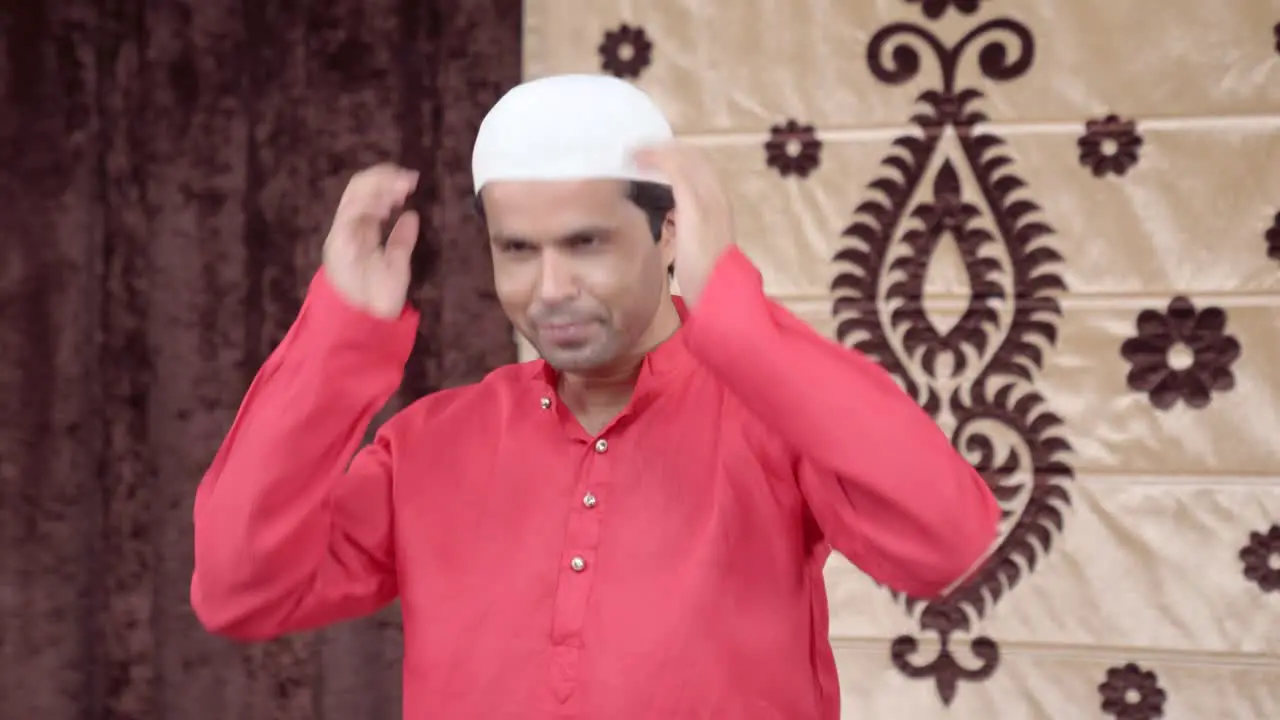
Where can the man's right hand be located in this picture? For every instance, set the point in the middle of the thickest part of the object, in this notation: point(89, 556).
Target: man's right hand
point(366, 272)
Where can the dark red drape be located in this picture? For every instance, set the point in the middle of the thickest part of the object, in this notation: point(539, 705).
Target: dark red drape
point(167, 174)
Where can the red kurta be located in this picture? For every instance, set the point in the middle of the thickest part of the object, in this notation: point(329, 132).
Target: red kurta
point(669, 567)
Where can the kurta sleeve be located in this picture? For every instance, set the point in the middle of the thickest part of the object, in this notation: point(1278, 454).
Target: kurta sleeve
point(882, 480)
point(291, 533)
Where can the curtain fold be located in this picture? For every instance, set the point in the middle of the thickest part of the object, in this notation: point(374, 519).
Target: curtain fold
point(167, 174)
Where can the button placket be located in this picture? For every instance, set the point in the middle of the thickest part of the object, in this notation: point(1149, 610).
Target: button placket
point(578, 569)
point(578, 563)
point(581, 540)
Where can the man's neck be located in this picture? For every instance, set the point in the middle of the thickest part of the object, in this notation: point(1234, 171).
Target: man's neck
point(596, 397)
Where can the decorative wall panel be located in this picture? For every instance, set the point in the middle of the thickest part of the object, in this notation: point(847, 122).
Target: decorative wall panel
point(1058, 226)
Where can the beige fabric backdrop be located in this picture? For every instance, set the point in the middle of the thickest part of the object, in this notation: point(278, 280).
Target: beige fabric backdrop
point(1057, 223)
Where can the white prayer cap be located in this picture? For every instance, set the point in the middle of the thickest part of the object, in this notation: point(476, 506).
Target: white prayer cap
point(567, 127)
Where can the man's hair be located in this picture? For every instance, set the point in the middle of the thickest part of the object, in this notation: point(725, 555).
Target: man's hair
point(654, 199)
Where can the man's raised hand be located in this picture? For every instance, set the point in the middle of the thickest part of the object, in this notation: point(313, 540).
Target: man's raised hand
point(365, 271)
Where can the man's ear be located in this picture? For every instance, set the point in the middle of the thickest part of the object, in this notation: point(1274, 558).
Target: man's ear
point(667, 243)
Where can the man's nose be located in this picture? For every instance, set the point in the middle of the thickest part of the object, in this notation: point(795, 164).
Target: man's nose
point(557, 282)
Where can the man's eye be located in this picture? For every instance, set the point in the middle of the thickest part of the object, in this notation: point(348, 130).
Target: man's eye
point(515, 247)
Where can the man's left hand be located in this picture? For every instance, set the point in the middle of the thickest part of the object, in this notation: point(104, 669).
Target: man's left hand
point(704, 219)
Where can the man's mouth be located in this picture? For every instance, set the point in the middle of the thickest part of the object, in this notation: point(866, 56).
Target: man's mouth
point(564, 333)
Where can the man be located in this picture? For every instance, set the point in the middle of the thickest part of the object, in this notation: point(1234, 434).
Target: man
point(632, 527)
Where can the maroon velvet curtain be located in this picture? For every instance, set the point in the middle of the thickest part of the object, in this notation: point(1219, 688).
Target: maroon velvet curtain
point(167, 173)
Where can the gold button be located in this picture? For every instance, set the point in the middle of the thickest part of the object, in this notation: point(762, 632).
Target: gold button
point(602, 445)
point(546, 403)
point(589, 500)
point(578, 564)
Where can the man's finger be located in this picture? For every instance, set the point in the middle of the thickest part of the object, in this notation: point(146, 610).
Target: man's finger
point(404, 235)
point(704, 178)
point(668, 159)
point(663, 158)
point(373, 194)
point(372, 183)
point(693, 181)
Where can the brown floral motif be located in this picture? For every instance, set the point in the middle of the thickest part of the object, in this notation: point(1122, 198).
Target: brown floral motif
point(978, 373)
point(1261, 558)
point(626, 51)
point(1273, 238)
point(1181, 354)
point(1110, 145)
point(1131, 693)
point(793, 149)
point(934, 9)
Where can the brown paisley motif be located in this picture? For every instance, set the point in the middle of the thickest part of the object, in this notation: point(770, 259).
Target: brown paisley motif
point(986, 395)
point(934, 9)
point(947, 213)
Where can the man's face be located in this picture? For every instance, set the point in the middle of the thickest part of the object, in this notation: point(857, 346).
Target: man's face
point(576, 267)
